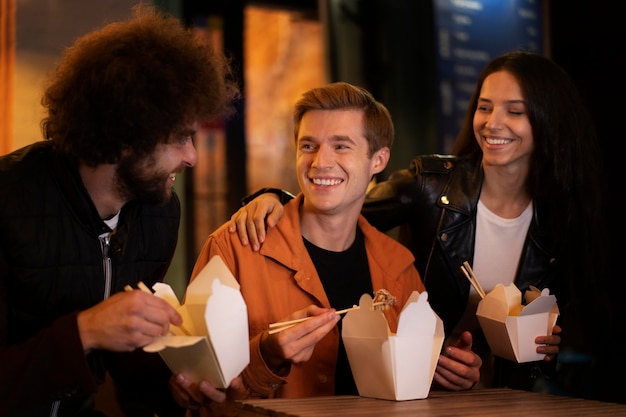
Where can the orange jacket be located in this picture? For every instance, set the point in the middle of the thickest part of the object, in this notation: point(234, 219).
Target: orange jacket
point(281, 278)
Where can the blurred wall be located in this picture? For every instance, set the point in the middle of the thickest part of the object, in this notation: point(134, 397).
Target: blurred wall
point(43, 29)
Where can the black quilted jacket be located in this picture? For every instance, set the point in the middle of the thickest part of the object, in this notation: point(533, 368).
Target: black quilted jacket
point(51, 267)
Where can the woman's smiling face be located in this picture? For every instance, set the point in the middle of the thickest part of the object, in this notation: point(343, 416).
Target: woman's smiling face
point(501, 124)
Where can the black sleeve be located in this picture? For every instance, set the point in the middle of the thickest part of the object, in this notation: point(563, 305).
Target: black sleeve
point(285, 196)
point(391, 203)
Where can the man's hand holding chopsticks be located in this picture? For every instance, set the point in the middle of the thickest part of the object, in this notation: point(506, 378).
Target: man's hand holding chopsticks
point(296, 343)
point(126, 321)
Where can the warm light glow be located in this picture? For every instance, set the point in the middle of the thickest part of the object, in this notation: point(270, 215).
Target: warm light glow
point(7, 69)
point(284, 56)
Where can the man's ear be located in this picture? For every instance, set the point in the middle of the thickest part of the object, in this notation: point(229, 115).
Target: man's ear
point(380, 160)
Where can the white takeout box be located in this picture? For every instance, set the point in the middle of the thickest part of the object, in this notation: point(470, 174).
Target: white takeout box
point(511, 328)
point(391, 366)
point(212, 343)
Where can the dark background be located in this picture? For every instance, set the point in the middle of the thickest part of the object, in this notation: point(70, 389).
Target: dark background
point(589, 42)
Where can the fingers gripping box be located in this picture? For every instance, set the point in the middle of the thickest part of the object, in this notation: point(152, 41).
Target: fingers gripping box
point(510, 327)
point(212, 343)
point(391, 366)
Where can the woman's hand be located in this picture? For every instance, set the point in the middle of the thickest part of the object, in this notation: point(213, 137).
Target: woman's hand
point(549, 345)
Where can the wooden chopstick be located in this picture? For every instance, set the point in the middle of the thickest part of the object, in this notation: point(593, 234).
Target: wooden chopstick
point(143, 287)
point(467, 270)
point(284, 325)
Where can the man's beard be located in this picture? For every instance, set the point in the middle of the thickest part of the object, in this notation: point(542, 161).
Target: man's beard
point(138, 180)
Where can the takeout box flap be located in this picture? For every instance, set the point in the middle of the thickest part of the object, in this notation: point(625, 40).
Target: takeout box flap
point(544, 303)
point(512, 336)
point(365, 321)
point(393, 366)
point(418, 340)
point(215, 312)
point(226, 318)
point(494, 308)
point(166, 292)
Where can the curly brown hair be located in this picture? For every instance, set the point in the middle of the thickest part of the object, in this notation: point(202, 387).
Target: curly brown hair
point(132, 85)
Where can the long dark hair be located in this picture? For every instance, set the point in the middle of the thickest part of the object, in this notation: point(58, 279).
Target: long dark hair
point(565, 179)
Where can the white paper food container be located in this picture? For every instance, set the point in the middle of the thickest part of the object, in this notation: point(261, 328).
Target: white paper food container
point(391, 366)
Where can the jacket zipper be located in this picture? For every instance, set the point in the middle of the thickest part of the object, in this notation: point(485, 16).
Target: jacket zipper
point(106, 264)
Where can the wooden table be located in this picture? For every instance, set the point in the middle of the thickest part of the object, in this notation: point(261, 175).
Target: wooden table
point(483, 402)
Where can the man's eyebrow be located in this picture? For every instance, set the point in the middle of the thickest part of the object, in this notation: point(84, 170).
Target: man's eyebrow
point(334, 138)
point(343, 138)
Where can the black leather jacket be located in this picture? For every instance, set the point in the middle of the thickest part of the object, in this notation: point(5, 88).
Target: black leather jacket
point(52, 265)
point(435, 202)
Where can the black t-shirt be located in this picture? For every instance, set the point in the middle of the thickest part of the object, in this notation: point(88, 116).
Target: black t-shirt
point(345, 277)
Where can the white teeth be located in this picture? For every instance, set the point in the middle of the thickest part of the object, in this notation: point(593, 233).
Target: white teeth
point(173, 176)
point(493, 141)
point(318, 181)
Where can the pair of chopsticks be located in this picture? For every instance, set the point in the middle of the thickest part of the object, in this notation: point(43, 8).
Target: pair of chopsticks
point(144, 288)
point(467, 270)
point(284, 325)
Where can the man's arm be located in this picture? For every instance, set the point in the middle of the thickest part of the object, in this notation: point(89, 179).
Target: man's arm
point(387, 205)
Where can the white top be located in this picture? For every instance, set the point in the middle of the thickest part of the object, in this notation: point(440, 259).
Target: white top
point(498, 246)
point(497, 249)
point(112, 223)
